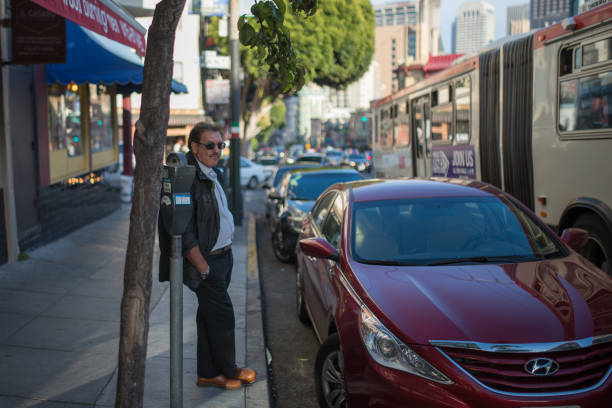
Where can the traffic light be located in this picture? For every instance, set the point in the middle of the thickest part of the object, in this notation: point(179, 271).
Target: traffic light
point(364, 119)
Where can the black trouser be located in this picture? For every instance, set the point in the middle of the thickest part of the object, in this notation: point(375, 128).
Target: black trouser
point(215, 320)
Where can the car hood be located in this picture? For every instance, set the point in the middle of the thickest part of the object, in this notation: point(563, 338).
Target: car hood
point(532, 302)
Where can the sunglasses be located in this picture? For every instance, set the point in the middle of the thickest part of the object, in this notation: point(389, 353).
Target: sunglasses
point(211, 145)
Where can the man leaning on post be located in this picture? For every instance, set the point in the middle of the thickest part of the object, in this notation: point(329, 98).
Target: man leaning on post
point(208, 261)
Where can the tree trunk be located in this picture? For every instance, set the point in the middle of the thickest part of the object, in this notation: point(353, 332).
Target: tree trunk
point(149, 141)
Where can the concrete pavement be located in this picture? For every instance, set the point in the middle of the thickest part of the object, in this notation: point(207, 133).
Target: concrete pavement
point(60, 317)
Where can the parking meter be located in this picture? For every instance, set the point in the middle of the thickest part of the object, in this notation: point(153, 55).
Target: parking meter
point(175, 205)
point(176, 212)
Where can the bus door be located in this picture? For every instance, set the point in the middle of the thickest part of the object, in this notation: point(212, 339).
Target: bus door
point(421, 137)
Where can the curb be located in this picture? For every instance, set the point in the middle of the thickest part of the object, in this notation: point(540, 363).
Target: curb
point(256, 395)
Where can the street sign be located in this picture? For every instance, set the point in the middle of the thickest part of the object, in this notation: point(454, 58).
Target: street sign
point(210, 60)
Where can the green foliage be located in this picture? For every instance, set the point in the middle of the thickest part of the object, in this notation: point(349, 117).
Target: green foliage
point(337, 43)
point(277, 115)
point(267, 34)
point(334, 46)
point(273, 120)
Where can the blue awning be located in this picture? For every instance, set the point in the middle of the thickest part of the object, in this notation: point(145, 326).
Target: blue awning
point(96, 59)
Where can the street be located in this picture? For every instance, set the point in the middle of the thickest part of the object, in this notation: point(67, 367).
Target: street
point(292, 346)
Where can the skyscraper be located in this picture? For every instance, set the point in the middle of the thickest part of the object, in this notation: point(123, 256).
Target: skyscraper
point(517, 19)
point(475, 26)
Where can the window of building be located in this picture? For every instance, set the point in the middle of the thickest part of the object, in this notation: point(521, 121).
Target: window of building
point(66, 146)
point(101, 131)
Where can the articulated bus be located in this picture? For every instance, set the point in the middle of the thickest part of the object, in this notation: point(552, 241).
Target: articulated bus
point(532, 116)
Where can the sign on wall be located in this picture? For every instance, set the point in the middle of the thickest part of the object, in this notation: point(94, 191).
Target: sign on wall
point(217, 91)
point(39, 36)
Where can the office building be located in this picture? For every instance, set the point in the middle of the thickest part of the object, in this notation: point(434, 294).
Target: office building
point(475, 26)
point(546, 12)
point(517, 19)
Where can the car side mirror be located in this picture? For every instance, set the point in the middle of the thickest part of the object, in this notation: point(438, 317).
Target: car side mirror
point(575, 238)
point(319, 248)
point(274, 195)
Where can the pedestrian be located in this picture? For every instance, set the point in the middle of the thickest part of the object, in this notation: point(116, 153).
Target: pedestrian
point(208, 261)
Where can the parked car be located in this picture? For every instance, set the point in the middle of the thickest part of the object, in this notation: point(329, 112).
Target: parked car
point(450, 293)
point(273, 182)
point(333, 157)
point(312, 157)
point(357, 161)
point(269, 163)
point(295, 196)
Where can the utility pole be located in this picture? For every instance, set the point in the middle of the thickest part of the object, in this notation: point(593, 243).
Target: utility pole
point(236, 196)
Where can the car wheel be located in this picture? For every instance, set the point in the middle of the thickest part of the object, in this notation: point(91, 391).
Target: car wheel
point(598, 248)
point(299, 296)
point(329, 374)
point(279, 252)
point(253, 183)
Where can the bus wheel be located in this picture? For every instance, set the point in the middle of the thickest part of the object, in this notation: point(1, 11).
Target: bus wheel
point(598, 249)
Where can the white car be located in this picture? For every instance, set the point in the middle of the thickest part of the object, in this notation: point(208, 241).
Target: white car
point(251, 174)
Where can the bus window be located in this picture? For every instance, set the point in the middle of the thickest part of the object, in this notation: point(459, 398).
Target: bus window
point(586, 103)
point(441, 122)
point(598, 51)
point(462, 110)
point(403, 133)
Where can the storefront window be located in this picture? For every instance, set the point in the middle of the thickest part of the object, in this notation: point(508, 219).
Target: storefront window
point(101, 130)
point(65, 119)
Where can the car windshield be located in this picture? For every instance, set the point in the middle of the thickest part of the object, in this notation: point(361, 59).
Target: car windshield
point(281, 171)
point(308, 186)
point(430, 231)
point(357, 157)
point(334, 153)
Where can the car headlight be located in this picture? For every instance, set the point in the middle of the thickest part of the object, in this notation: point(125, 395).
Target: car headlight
point(389, 351)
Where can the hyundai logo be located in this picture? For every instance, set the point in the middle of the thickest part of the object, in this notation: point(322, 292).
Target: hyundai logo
point(541, 366)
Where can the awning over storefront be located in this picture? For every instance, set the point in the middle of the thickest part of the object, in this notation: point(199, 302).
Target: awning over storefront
point(93, 58)
point(104, 17)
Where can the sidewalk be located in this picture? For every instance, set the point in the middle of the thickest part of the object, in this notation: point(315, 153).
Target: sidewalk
point(60, 319)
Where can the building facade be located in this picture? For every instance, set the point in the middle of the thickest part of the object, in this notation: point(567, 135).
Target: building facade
point(517, 19)
point(475, 26)
point(406, 32)
point(59, 146)
point(546, 12)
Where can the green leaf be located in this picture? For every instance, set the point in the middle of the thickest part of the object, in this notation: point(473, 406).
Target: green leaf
point(282, 8)
point(247, 34)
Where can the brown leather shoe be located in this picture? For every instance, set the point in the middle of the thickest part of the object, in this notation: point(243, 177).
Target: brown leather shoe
point(246, 375)
point(220, 381)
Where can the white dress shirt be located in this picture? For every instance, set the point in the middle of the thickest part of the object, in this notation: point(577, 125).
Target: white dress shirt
point(226, 220)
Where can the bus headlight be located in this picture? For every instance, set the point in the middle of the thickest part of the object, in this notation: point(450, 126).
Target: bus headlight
point(389, 351)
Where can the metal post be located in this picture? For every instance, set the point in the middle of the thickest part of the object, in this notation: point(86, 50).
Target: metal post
point(236, 197)
point(176, 323)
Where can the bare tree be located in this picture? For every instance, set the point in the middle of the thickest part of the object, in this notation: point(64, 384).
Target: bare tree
point(151, 129)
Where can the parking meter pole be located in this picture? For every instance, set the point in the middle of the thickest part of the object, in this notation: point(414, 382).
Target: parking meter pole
point(176, 323)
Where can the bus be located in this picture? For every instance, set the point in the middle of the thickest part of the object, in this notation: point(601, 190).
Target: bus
point(531, 115)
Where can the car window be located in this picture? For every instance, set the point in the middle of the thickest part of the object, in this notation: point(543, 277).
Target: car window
point(321, 209)
point(308, 186)
point(244, 163)
point(333, 224)
point(433, 229)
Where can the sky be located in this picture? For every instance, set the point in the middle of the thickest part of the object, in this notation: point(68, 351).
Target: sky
point(448, 12)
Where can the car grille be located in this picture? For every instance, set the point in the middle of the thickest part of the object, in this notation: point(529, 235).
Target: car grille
point(579, 369)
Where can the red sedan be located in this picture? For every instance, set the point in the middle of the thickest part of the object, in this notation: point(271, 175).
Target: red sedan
point(450, 293)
